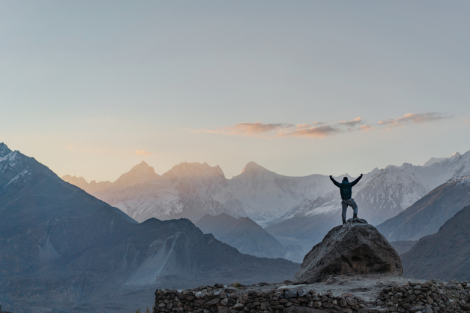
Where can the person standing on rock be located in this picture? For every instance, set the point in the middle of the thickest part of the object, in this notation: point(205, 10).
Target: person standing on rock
point(345, 189)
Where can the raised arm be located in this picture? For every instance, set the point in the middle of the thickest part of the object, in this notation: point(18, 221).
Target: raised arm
point(335, 182)
point(356, 181)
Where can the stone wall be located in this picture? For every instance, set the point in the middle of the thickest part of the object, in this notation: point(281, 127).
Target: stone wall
point(428, 297)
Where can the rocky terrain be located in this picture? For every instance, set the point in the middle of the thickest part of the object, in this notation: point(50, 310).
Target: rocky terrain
point(361, 294)
point(353, 248)
point(243, 234)
point(354, 269)
point(444, 255)
point(428, 214)
point(62, 249)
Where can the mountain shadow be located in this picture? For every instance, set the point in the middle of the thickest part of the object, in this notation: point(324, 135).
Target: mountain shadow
point(443, 255)
point(243, 234)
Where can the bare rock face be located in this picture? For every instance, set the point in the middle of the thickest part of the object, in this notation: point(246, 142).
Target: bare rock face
point(353, 248)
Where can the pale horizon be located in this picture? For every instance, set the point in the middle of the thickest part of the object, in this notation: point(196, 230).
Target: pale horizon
point(230, 177)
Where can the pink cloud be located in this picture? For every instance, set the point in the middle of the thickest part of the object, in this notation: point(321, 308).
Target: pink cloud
point(303, 126)
point(413, 118)
point(351, 123)
point(142, 152)
point(248, 129)
point(366, 128)
point(312, 132)
point(270, 130)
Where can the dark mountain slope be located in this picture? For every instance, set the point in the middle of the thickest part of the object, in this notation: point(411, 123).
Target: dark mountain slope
point(64, 250)
point(243, 234)
point(444, 255)
point(429, 213)
point(401, 247)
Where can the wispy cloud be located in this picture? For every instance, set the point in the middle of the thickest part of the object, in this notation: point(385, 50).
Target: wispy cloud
point(312, 132)
point(413, 118)
point(319, 129)
point(366, 128)
point(249, 129)
point(351, 123)
point(142, 152)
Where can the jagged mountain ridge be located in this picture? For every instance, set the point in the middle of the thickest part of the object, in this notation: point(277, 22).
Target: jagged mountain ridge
point(428, 214)
point(243, 234)
point(192, 190)
point(436, 160)
point(384, 193)
point(63, 249)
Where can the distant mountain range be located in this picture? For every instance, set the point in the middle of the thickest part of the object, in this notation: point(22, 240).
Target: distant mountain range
point(443, 255)
point(243, 234)
point(298, 211)
point(62, 249)
point(192, 190)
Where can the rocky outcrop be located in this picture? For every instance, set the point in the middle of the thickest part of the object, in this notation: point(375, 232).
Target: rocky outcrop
point(353, 248)
point(413, 296)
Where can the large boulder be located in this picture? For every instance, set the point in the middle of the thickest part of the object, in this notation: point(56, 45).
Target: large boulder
point(353, 248)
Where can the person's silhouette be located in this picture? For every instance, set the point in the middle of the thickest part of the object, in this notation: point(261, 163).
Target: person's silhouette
point(345, 189)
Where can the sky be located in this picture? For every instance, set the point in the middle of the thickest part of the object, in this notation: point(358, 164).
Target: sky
point(91, 88)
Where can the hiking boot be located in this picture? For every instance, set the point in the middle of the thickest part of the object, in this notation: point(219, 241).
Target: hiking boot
point(344, 222)
point(355, 216)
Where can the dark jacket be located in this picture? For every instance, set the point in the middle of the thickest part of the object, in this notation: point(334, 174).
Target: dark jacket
point(345, 187)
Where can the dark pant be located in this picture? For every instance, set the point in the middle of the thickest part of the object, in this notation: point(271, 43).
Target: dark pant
point(350, 203)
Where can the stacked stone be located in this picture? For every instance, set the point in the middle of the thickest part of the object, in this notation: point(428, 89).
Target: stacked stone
point(212, 299)
point(428, 297)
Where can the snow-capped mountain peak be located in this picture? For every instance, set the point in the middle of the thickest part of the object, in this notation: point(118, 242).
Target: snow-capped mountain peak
point(432, 161)
point(140, 173)
point(252, 168)
point(14, 167)
point(187, 170)
point(4, 150)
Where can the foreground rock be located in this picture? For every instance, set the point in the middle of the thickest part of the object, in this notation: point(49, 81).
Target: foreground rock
point(353, 248)
point(357, 294)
